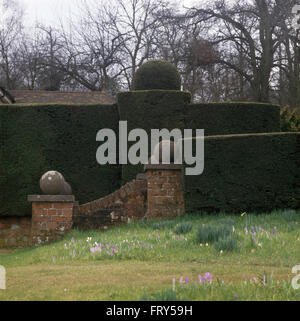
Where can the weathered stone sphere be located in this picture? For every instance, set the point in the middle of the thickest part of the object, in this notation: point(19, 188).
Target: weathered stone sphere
point(52, 183)
point(67, 190)
point(164, 145)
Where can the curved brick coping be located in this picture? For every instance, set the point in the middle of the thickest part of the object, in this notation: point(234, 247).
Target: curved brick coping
point(51, 198)
point(163, 166)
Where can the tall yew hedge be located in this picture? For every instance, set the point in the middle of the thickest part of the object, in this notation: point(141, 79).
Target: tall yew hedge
point(38, 138)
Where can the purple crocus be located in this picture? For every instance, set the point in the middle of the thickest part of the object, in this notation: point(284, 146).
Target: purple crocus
point(95, 250)
point(201, 278)
point(208, 276)
point(187, 280)
point(236, 296)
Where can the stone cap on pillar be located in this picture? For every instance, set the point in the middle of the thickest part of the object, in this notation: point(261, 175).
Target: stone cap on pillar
point(51, 198)
point(163, 167)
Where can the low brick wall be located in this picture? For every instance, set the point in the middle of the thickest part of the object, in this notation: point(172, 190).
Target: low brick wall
point(51, 217)
point(158, 193)
point(127, 203)
point(165, 191)
point(15, 231)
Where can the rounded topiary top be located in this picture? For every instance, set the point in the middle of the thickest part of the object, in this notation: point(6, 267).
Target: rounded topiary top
point(157, 74)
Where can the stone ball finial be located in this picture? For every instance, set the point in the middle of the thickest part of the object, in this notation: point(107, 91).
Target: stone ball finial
point(52, 183)
point(67, 190)
point(161, 151)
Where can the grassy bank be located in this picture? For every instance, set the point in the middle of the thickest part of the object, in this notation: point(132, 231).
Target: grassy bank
point(247, 257)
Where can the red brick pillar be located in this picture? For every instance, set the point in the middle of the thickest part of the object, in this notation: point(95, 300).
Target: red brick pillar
point(164, 190)
point(51, 217)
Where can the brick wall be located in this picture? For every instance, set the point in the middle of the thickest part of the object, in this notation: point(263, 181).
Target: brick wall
point(157, 193)
point(51, 217)
point(165, 191)
point(15, 231)
point(125, 204)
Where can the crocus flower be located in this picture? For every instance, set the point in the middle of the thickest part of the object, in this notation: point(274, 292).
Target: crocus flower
point(208, 276)
point(254, 279)
point(187, 280)
point(201, 278)
point(236, 296)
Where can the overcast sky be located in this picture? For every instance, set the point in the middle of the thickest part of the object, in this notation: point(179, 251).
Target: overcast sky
point(49, 12)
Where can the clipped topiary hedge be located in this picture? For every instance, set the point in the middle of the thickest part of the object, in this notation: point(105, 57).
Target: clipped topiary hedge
point(38, 138)
point(157, 74)
point(151, 109)
point(233, 118)
point(254, 172)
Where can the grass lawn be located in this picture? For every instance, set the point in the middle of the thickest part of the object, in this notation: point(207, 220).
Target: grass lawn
point(247, 257)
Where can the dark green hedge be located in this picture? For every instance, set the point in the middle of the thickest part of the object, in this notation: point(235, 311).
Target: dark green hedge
point(151, 109)
point(157, 74)
point(172, 109)
point(233, 118)
point(38, 138)
point(254, 172)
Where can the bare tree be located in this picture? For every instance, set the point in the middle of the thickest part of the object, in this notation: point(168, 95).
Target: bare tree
point(11, 30)
point(136, 23)
point(254, 28)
